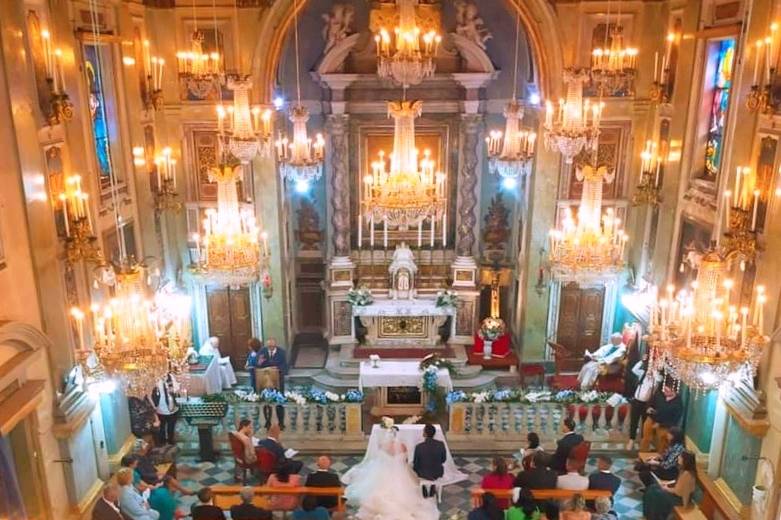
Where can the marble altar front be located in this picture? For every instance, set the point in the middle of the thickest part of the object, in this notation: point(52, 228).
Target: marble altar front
point(394, 323)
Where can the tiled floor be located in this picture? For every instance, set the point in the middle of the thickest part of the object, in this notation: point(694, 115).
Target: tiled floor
point(455, 498)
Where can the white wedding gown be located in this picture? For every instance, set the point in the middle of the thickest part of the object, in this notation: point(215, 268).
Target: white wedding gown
point(385, 487)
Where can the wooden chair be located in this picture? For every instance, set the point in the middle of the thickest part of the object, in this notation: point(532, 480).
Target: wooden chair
point(540, 494)
point(237, 447)
point(266, 463)
point(580, 454)
point(564, 360)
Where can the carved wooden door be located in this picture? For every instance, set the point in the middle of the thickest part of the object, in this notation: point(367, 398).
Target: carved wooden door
point(580, 322)
point(230, 319)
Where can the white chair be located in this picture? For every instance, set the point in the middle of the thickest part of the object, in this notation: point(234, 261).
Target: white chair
point(428, 484)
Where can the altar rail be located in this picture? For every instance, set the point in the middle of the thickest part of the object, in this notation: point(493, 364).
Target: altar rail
point(504, 426)
point(334, 426)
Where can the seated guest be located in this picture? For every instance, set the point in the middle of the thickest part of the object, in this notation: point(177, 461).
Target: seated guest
point(205, 509)
point(489, 510)
point(605, 358)
point(538, 477)
point(282, 479)
point(148, 472)
point(532, 447)
point(498, 478)
point(247, 510)
point(564, 445)
point(576, 511)
point(309, 510)
point(524, 507)
point(664, 412)
point(602, 507)
point(573, 480)
point(131, 503)
point(324, 477)
point(244, 434)
point(106, 507)
point(163, 500)
point(253, 347)
point(212, 348)
point(272, 444)
point(659, 500)
point(603, 478)
point(665, 466)
point(131, 462)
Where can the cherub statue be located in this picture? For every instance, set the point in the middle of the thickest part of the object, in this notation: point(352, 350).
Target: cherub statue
point(469, 24)
point(338, 25)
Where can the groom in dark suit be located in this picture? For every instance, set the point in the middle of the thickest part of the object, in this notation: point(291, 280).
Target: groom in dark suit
point(429, 459)
point(273, 356)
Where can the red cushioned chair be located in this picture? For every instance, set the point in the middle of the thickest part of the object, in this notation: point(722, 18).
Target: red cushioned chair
point(580, 454)
point(237, 447)
point(266, 463)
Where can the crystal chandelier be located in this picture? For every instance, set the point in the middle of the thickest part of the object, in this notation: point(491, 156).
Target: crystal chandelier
point(198, 65)
point(614, 66)
point(593, 243)
point(411, 190)
point(703, 338)
point(248, 130)
point(648, 192)
point(301, 159)
point(230, 252)
point(406, 57)
point(511, 152)
point(574, 124)
point(80, 239)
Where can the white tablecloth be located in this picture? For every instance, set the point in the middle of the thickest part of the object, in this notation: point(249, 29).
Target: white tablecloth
point(403, 308)
point(205, 382)
point(411, 435)
point(397, 373)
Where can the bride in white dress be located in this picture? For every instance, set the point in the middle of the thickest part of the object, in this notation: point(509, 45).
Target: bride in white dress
point(384, 485)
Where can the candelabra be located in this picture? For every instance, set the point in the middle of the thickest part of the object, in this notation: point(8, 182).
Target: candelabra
point(200, 71)
point(248, 132)
point(761, 98)
point(153, 85)
point(574, 124)
point(80, 240)
point(648, 192)
point(165, 194)
point(660, 88)
point(60, 106)
point(407, 56)
point(614, 67)
point(742, 207)
point(411, 191)
point(700, 336)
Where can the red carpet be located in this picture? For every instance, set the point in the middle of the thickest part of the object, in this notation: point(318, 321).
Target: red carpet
point(508, 361)
point(402, 352)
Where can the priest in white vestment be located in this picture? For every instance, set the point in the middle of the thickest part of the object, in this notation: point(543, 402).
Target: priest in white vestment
point(212, 348)
point(602, 358)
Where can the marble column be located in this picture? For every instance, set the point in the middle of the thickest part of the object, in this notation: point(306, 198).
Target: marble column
point(337, 128)
point(468, 176)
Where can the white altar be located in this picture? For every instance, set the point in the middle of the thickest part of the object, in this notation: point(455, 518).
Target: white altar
point(398, 386)
point(413, 322)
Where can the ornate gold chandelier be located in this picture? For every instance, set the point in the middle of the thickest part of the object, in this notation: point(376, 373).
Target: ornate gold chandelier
point(232, 250)
point(593, 244)
point(407, 56)
point(300, 158)
point(196, 64)
point(574, 124)
point(648, 192)
point(614, 66)
point(703, 338)
point(411, 191)
point(80, 239)
point(248, 129)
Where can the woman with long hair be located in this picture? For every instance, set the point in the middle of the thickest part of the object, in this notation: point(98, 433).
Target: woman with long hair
point(660, 499)
point(498, 478)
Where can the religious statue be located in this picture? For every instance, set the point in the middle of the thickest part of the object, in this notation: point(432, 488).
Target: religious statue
point(497, 229)
point(402, 271)
point(469, 23)
point(309, 232)
point(338, 25)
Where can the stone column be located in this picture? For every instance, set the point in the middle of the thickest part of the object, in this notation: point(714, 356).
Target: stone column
point(337, 131)
point(467, 184)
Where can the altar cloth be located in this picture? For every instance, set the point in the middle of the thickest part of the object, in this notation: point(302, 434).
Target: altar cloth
point(203, 381)
point(398, 373)
point(403, 308)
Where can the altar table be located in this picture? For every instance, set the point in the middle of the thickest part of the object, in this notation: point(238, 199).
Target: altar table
point(402, 322)
point(410, 435)
point(203, 381)
point(397, 373)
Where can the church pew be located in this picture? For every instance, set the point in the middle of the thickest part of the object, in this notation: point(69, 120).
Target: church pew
point(689, 513)
point(226, 496)
point(540, 494)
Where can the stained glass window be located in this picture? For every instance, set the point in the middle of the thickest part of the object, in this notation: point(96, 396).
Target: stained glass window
point(102, 105)
point(718, 87)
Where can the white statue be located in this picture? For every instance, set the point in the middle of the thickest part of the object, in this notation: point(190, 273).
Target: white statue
point(469, 24)
point(338, 25)
point(402, 271)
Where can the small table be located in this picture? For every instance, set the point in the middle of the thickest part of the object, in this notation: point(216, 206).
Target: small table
point(400, 379)
point(203, 378)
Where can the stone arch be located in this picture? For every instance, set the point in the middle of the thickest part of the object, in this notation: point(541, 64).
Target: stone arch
point(26, 340)
point(537, 18)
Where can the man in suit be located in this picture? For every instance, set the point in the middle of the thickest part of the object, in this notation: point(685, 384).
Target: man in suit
point(603, 478)
point(429, 459)
point(564, 446)
point(204, 509)
point(247, 510)
point(538, 477)
point(324, 477)
point(274, 446)
point(273, 356)
point(106, 507)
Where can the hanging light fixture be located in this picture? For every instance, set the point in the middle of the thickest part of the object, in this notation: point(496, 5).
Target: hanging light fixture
point(573, 125)
point(510, 153)
point(411, 191)
point(193, 63)
point(300, 159)
point(232, 250)
point(592, 243)
point(248, 129)
point(614, 65)
point(703, 338)
point(648, 192)
point(407, 56)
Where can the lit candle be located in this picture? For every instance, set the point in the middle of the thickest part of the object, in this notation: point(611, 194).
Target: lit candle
point(737, 185)
point(444, 230)
point(360, 231)
point(371, 232)
point(420, 233)
point(656, 66)
point(754, 214)
point(757, 50)
point(385, 233)
point(433, 227)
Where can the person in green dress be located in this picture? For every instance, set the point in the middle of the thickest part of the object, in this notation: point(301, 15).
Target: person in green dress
point(523, 507)
point(163, 500)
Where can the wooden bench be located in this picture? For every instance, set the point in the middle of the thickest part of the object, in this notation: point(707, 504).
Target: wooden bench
point(691, 512)
point(540, 494)
point(227, 496)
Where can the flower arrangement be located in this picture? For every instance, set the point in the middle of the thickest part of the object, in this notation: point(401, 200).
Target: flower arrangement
point(266, 285)
point(492, 328)
point(272, 395)
point(430, 366)
point(437, 361)
point(387, 423)
point(353, 396)
point(447, 298)
point(514, 395)
point(300, 397)
point(360, 297)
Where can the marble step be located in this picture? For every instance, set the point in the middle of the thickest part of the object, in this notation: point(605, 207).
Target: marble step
point(327, 381)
